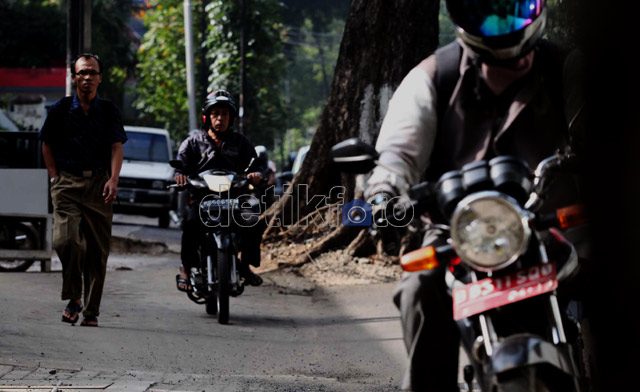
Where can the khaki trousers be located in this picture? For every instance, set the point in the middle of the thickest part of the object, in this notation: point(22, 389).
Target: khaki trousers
point(82, 237)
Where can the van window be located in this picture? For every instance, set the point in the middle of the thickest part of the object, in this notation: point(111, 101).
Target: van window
point(146, 147)
point(20, 150)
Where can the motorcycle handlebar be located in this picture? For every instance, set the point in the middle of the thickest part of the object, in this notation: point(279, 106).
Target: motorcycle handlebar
point(544, 176)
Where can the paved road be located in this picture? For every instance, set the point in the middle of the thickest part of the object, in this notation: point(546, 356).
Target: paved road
point(152, 338)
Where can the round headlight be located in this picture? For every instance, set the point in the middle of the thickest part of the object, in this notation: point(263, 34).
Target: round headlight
point(217, 183)
point(489, 230)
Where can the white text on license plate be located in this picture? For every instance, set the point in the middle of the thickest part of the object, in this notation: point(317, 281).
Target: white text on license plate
point(490, 293)
point(222, 203)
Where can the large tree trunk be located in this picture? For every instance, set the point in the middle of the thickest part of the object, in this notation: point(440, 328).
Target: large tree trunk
point(382, 42)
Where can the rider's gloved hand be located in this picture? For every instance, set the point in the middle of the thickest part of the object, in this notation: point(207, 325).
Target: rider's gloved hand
point(180, 179)
point(254, 177)
point(381, 206)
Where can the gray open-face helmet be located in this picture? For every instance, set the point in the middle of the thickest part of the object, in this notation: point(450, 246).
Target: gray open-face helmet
point(498, 30)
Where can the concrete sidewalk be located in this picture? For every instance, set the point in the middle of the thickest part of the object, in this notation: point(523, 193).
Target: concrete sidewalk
point(25, 375)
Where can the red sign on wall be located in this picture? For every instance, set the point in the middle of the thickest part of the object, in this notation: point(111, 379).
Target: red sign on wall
point(33, 77)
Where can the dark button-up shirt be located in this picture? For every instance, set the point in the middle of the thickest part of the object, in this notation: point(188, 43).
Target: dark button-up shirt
point(82, 141)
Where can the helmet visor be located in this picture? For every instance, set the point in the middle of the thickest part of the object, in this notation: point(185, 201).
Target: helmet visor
point(491, 18)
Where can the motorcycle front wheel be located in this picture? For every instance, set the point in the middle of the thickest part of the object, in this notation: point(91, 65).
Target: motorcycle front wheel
point(530, 379)
point(211, 305)
point(224, 285)
point(22, 237)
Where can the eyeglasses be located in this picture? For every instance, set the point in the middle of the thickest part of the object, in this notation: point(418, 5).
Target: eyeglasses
point(85, 72)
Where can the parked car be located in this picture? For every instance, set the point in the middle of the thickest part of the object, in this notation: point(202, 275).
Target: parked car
point(297, 163)
point(284, 178)
point(145, 175)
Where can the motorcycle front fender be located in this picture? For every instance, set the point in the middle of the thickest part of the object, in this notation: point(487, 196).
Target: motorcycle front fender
point(527, 350)
point(223, 240)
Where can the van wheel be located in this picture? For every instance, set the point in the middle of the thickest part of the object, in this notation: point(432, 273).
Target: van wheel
point(164, 219)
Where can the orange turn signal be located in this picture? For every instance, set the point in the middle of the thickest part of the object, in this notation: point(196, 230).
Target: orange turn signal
point(572, 216)
point(419, 260)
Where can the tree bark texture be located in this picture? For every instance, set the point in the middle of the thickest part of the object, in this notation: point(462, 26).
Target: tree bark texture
point(382, 42)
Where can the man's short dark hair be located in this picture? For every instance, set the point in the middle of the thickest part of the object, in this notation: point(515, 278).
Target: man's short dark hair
point(85, 56)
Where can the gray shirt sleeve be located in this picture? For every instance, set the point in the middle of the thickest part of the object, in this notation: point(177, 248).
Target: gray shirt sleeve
point(407, 134)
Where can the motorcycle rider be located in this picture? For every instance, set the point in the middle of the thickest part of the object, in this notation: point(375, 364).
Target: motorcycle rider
point(497, 90)
point(217, 147)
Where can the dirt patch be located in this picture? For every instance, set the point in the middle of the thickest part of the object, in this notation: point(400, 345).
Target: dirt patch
point(332, 268)
point(121, 245)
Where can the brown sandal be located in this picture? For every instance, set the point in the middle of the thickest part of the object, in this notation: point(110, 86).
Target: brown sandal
point(89, 321)
point(74, 309)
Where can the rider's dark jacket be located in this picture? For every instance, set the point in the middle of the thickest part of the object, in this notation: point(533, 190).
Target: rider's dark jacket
point(199, 153)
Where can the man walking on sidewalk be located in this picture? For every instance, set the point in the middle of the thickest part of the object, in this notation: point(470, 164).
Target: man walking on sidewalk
point(82, 139)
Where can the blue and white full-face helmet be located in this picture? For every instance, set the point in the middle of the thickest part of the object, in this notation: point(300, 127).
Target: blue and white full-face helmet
point(498, 30)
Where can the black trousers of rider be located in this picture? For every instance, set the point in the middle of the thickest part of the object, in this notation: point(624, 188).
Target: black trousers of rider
point(193, 230)
point(430, 334)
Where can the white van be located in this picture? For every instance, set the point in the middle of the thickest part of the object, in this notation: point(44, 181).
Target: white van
point(297, 163)
point(145, 174)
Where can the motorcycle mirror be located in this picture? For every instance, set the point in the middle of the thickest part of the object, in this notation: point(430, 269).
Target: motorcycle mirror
point(354, 156)
point(249, 165)
point(176, 164)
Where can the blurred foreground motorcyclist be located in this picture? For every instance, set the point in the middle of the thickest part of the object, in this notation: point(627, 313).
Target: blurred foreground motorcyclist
point(498, 90)
point(217, 147)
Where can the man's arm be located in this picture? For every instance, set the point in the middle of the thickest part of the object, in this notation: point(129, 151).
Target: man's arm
point(111, 187)
point(49, 160)
point(407, 135)
point(184, 154)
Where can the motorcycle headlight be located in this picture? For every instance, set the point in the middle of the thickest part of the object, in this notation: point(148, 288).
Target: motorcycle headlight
point(218, 183)
point(489, 230)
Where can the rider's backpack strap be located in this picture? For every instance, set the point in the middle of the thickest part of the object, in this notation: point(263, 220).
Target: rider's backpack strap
point(447, 74)
point(445, 79)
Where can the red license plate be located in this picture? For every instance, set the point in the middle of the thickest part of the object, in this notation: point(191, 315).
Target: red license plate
point(491, 293)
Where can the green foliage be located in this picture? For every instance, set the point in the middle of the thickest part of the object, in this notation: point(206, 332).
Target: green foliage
point(264, 117)
point(447, 29)
point(113, 44)
point(283, 75)
point(33, 34)
point(161, 87)
point(562, 16)
point(311, 60)
point(312, 42)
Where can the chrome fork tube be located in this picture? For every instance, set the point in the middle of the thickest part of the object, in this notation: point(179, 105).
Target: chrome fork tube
point(488, 333)
point(234, 275)
point(209, 270)
point(558, 329)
